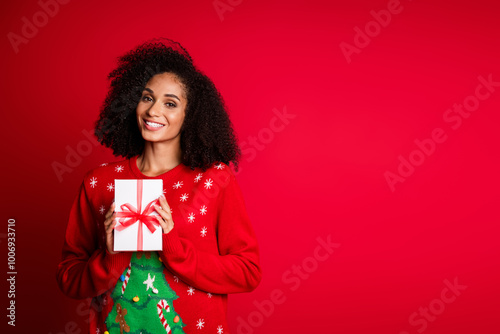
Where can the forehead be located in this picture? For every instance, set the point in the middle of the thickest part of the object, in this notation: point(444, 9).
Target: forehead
point(165, 83)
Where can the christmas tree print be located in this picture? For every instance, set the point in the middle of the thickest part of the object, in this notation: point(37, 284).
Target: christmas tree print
point(143, 299)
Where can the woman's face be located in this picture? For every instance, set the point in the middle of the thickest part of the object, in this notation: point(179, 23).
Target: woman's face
point(161, 109)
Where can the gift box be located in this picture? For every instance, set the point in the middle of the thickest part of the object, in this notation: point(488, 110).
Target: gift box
point(137, 228)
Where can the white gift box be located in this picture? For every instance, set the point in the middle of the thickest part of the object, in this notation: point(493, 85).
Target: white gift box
point(131, 231)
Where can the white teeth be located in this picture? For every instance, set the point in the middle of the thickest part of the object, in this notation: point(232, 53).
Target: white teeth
point(155, 125)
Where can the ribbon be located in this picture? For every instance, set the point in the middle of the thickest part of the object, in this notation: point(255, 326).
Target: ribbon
point(130, 215)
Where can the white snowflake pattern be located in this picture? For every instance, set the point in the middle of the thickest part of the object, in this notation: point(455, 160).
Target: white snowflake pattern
point(220, 330)
point(203, 210)
point(200, 323)
point(176, 278)
point(110, 186)
point(104, 164)
point(102, 209)
point(97, 331)
point(208, 183)
point(209, 295)
point(93, 182)
point(219, 166)
point(203, 231)
point(178, 185)
point(198, 177)
point(119, 168)
point(190, 291)
point(191, 217)
point(184, 197)
point(164, 191)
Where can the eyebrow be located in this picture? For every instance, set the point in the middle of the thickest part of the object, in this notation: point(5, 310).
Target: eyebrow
point(167, 95)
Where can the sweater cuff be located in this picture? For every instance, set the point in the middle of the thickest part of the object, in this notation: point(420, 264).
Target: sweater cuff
point(171, 242)
point(116, 261)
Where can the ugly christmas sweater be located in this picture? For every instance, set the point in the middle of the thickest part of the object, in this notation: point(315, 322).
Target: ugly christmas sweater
point(211, 251)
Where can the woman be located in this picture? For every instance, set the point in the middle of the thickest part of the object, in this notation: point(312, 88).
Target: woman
point(169, 122)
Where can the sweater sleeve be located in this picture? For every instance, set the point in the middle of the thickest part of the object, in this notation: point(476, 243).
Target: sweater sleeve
point(85, 270)
point(236, 268)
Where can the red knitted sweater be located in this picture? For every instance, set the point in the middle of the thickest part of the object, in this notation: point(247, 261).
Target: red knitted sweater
point(211, 251)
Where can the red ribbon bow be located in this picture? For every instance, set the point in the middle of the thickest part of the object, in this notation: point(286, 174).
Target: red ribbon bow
point(130, 215)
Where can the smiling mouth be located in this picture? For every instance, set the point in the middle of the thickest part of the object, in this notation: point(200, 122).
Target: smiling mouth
point(153, 124)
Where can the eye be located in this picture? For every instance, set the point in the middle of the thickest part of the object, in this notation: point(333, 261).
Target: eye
point(171, 104)
point(145, 98)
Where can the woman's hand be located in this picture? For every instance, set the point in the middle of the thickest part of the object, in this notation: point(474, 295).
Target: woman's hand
point(109, 225)
point(165, 218)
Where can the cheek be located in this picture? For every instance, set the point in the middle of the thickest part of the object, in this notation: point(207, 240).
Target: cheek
point(177, 119)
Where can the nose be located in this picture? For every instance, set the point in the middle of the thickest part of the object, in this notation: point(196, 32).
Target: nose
point(154, 110)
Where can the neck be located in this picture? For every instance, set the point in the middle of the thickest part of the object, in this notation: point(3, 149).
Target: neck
point(158, 158)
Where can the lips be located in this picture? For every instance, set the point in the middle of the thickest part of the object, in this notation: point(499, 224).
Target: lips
point(153, 126)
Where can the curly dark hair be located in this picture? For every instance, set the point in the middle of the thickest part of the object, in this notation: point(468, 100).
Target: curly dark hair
point(207, 135)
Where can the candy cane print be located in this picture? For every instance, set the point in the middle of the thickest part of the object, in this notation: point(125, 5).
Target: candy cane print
point(162, 304)
point(127, 276)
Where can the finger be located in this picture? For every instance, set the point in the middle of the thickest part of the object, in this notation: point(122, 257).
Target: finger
point(160, 220)
point(108, 226)
point(164, 203)
point(111, 225)
point(111, 210)
point(160, 210)
point(163, 213)
point(110, 219)
point(164, 225)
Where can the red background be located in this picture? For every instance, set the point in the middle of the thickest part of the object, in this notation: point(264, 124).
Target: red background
point(321, 175)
